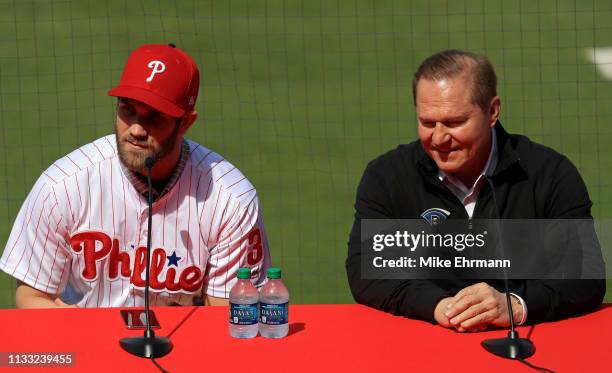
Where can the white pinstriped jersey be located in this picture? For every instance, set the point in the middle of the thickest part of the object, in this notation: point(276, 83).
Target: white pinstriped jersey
point(84, 223)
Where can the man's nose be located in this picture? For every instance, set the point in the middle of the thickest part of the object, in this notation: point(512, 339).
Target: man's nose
point(138, 130)
point(440, 136)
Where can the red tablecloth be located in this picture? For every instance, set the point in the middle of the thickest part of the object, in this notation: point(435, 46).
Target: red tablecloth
point(323, 338)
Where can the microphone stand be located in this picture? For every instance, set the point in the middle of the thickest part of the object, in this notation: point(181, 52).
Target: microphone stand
point(511, 347)
point(148, 346)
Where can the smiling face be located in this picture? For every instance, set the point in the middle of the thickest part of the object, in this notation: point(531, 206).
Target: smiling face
point(143, 132)
point(454, 131)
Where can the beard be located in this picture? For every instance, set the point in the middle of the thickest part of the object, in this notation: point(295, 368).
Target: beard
point(133, 159)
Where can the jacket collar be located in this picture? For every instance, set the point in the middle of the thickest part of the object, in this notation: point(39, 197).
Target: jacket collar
point(508, 156)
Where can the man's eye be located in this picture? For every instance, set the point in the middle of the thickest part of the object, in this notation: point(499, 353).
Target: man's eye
point(156, 118)
point(126, 110)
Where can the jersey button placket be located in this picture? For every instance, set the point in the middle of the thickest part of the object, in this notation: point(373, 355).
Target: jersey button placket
point(144, 215)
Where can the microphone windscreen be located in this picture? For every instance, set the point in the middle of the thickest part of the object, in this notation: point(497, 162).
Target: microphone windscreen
point(149, 162)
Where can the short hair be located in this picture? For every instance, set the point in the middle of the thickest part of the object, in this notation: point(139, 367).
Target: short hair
point(451, 63)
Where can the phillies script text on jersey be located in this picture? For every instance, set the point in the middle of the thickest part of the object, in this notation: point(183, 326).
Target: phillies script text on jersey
point(97, 246)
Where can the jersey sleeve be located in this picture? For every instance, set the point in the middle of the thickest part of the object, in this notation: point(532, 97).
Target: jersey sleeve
point(242, 243)
point(36, 251)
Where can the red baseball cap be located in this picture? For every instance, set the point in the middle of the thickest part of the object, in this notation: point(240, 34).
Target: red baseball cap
point(161, 76)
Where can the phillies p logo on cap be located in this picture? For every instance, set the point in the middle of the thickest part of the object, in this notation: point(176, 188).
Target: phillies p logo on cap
point(161, 76)
point(158, 67)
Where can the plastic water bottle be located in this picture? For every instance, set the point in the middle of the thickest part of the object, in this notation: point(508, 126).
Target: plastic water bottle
point(273, 306)
point(243, 300)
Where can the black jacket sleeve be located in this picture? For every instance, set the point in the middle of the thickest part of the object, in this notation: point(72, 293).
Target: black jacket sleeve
point(567, 198)
point(411, 298)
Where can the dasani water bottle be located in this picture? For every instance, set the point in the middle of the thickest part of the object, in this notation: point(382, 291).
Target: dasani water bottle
point(273, 306)
point(243, 300)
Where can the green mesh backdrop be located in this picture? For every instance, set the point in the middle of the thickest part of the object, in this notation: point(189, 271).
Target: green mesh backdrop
point(300, 95)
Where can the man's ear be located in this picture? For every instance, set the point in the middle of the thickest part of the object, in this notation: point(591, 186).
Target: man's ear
point(187, 120)
point(494, 110)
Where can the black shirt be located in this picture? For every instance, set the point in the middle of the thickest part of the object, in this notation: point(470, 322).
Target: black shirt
point(531, 182)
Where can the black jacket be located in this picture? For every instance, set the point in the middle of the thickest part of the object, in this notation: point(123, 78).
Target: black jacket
point(531, 181)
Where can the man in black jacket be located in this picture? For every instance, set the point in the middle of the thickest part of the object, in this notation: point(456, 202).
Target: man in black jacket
point(462, 143)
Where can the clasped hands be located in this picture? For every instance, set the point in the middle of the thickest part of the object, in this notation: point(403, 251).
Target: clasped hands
point(476, 307)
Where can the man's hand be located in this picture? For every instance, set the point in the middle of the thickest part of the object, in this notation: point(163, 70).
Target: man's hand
point(60, 303)
point(215, 301)
point(440, 310)
point(440, 316)
point(477, 306)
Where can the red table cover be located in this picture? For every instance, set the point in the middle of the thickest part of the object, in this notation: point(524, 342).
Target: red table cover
point(323, 338)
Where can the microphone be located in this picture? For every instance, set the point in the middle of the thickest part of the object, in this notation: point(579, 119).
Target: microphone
point(149, 163)
point(511, 347)
point(148, 346)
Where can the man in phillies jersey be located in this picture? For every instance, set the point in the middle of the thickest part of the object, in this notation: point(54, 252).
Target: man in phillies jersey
point(85, 221)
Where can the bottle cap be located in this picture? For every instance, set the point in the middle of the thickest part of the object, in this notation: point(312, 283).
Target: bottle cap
point(274, 273)
point(244, 273)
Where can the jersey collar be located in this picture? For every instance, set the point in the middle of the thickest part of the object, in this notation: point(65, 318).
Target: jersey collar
point(140, 182)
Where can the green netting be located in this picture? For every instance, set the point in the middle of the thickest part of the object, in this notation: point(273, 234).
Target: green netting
point(300, 95)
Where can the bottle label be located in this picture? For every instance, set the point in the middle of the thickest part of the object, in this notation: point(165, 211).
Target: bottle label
point(273, 314)
point(243, 314)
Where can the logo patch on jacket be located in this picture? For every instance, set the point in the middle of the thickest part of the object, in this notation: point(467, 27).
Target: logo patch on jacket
point(435, 215)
